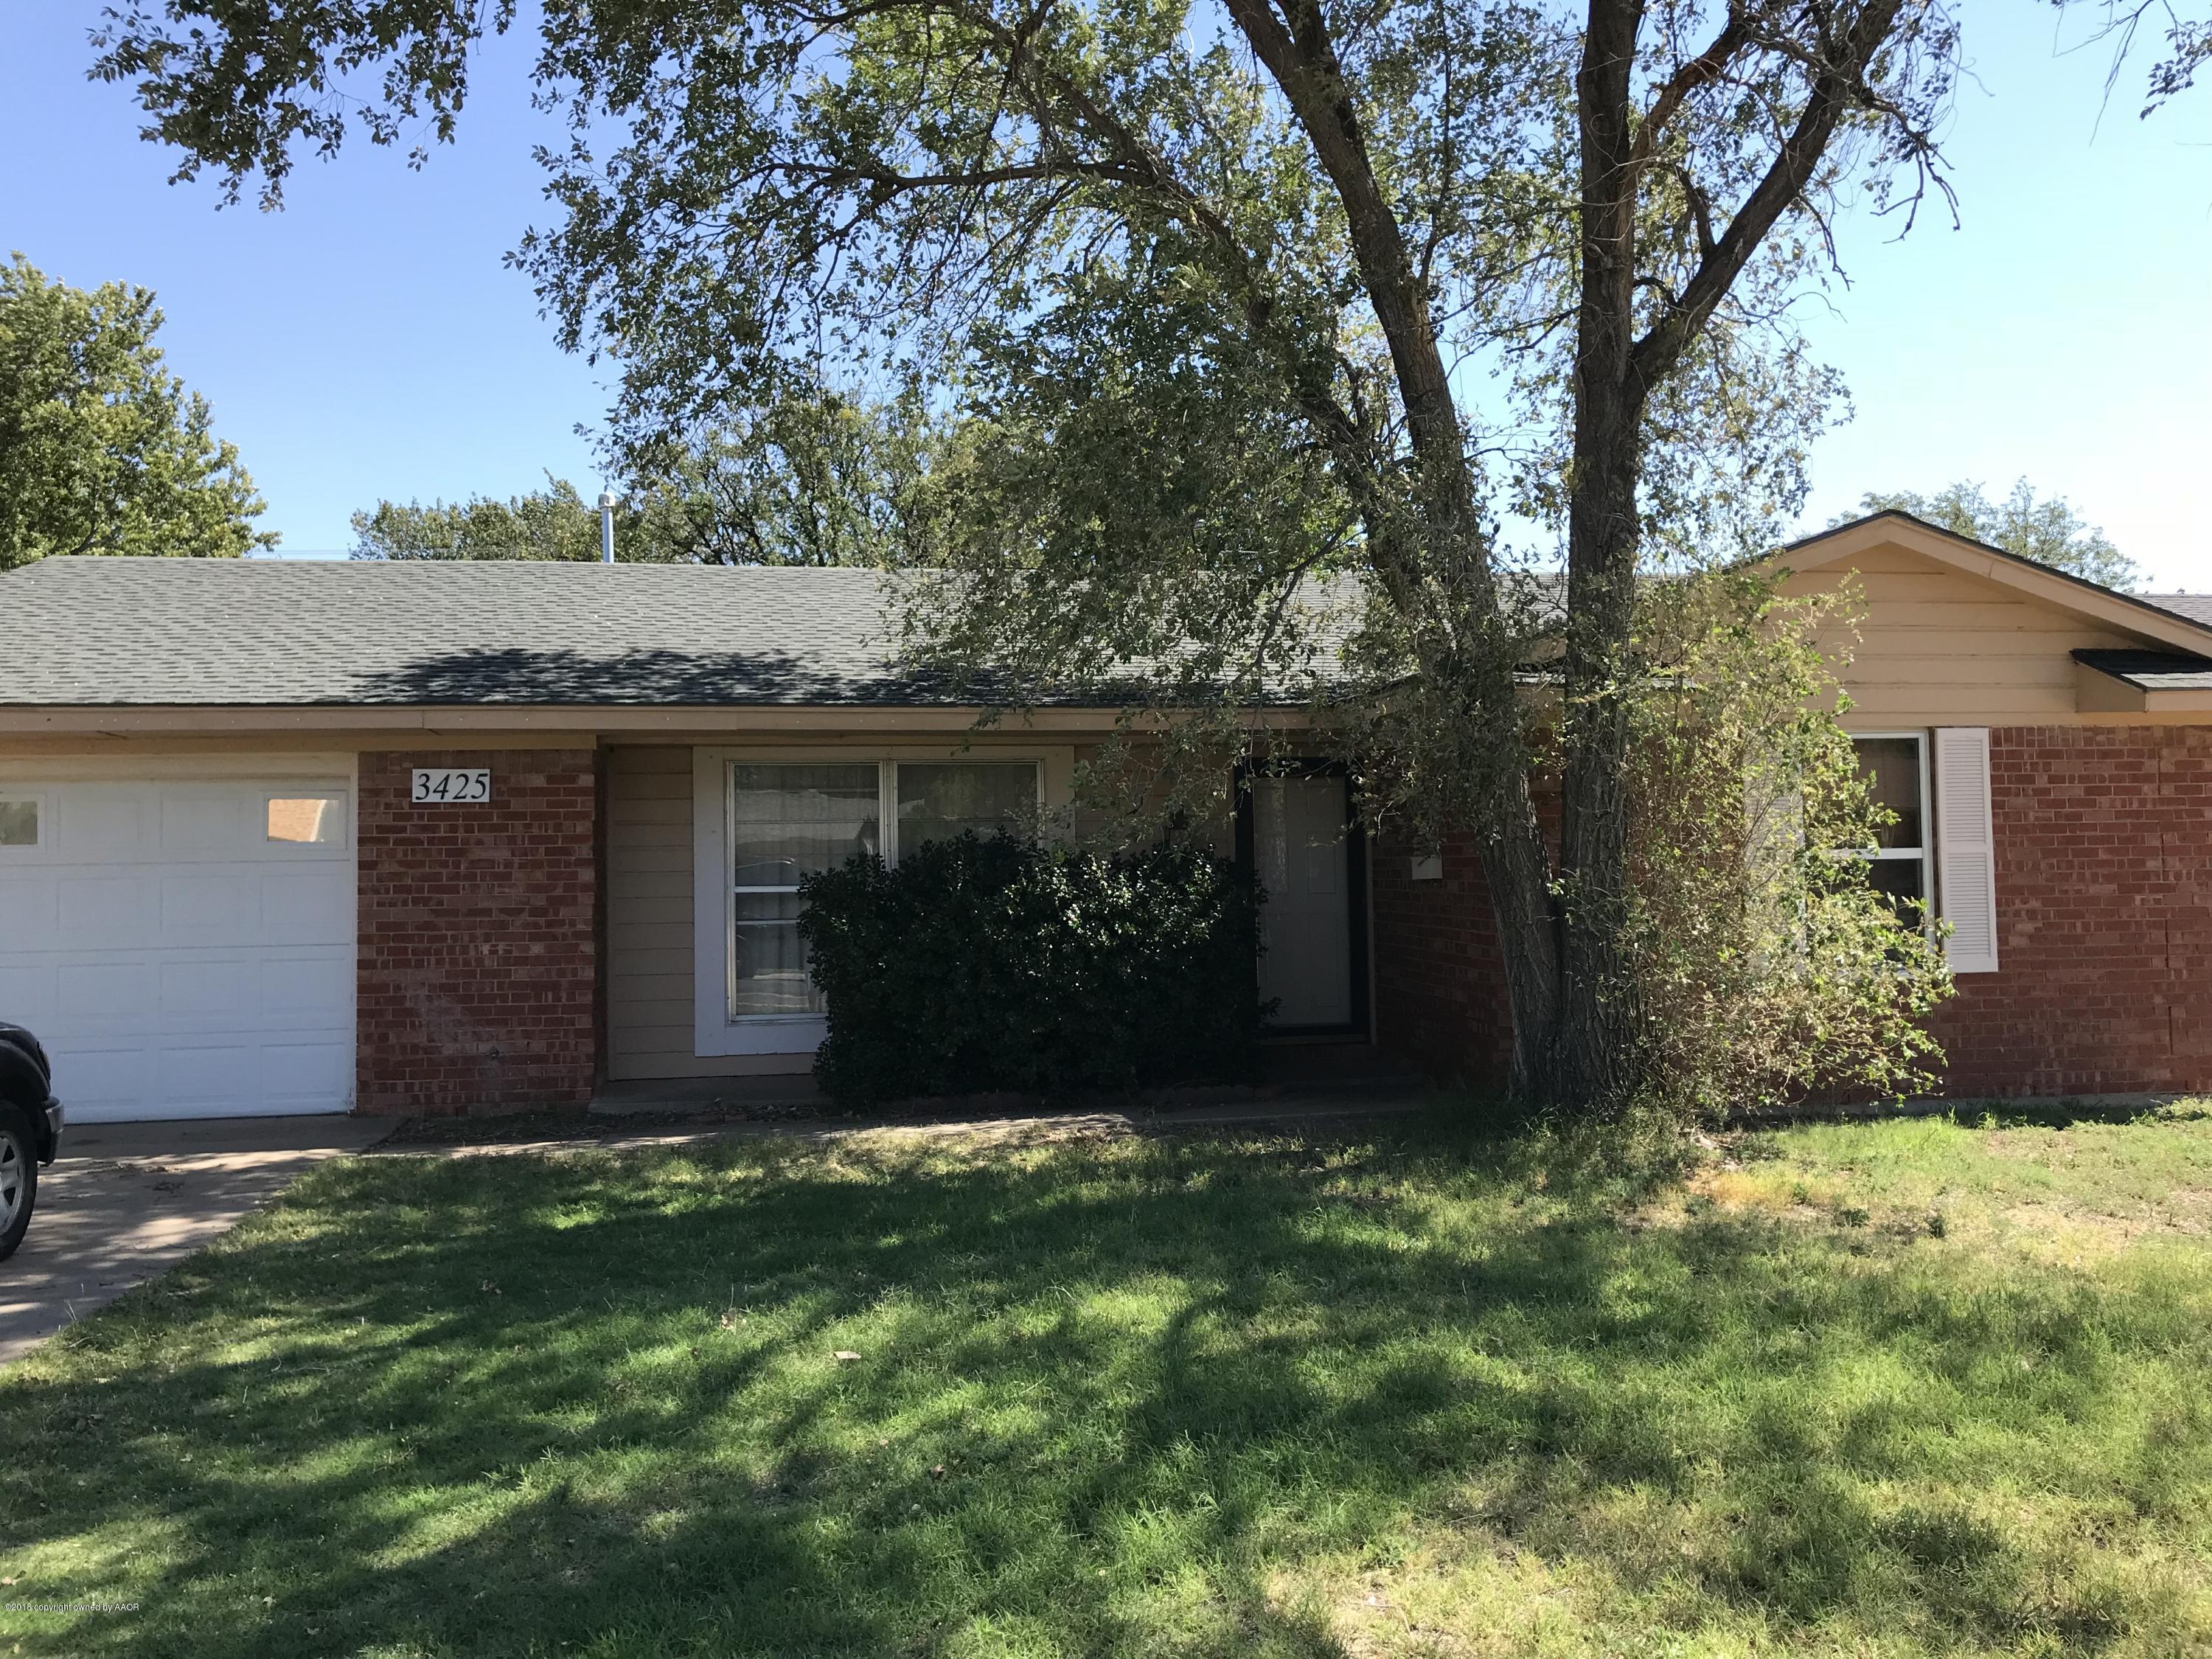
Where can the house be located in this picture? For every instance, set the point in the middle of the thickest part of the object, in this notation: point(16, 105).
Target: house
point(436, 836)
point(2046, 744)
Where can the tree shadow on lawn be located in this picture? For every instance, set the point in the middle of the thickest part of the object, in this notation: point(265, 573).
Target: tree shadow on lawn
point(1108, 1399)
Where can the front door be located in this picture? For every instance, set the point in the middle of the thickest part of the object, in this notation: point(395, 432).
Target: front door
point(1304, 848)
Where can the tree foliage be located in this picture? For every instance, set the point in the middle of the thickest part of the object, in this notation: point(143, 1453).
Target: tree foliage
point(102, 450)
point(1266, 316)
point(553, 522)
point(2049, 531)
point(1770, 966)
point(813, 479)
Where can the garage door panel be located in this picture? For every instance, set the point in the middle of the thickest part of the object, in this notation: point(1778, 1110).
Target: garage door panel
point(101, 1084)
point(197, 991)
point(204, 1076)
point(175, 961)
point(104, 996)
point(297, 986)
point(27, 994)
point(30, 901)
point(106, 912)
point(207, 824)
point(103, 823)
point(210, 908)
point(306, 1070)
point(306, 907)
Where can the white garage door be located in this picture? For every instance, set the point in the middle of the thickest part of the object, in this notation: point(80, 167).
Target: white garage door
point(183, 946)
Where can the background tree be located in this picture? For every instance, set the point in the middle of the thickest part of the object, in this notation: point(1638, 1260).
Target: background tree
point(2049, 531)
point(101, 448)
point(1153, 248)
point(813, 479)
point(553, 523)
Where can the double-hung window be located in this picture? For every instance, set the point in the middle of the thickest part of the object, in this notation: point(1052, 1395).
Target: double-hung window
point(1939, 857)
point(1896, 769)
point(782, 821)
point(787, 823)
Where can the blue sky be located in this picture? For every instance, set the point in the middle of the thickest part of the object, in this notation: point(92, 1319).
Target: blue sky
point(367, 340)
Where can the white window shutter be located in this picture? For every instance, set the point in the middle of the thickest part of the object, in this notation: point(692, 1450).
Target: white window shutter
point(1966, 848)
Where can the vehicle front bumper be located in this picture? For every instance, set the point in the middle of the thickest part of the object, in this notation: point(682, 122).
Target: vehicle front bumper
point(55, 1117)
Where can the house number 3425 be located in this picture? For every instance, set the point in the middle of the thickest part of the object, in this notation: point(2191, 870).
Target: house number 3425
point(439, 785)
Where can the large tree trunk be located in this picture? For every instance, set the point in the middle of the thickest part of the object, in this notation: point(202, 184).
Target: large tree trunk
point(1572, 1026)
point(1516, 866)
point(1596, 1060)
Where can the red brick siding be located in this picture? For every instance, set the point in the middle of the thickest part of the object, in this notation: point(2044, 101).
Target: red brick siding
point(479, 967)
point(2104, 880)
point(1439, 980)
point(2103, 855)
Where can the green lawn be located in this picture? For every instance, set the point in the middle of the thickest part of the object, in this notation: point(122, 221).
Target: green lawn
point(1909, 1387)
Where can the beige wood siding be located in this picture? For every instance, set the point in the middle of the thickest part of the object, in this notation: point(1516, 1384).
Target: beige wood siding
point(1940, 648)
point(649, 1013)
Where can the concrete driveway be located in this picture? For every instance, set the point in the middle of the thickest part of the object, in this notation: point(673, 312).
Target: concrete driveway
point(125, 1201)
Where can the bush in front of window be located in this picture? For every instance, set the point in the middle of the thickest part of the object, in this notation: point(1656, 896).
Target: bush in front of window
point(982, 965)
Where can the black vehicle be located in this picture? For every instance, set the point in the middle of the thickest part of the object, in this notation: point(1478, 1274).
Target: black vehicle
point(30, 1129)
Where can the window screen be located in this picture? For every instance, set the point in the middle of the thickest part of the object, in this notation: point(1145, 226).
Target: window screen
point(786, 823)
point(939, 800)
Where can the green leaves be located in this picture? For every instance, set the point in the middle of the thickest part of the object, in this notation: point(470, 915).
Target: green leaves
point(1005, 965)
point(814, 479)
point(1766, 965)
point(553, 522)
point(101, 448)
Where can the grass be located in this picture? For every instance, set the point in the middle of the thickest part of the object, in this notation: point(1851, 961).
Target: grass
point(1894, 1388)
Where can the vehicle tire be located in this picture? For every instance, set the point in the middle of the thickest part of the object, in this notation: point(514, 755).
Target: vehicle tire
point(19, 1176)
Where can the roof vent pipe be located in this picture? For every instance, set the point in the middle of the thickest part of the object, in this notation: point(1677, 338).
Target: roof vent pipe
point(606, 527)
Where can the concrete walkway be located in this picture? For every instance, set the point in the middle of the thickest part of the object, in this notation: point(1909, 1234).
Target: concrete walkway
point(126, 1200)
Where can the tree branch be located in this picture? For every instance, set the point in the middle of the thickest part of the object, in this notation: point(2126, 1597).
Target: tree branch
point(1699, 71)
point(1304, 61)
point(1836, 85)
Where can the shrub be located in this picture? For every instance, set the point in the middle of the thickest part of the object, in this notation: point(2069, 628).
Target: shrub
point(1007, 964)
point(1767, 967)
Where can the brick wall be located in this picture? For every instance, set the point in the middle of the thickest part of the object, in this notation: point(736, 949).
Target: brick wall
point(2104, 880)
point(479, 972)
point(2104, 853)
point(1439, 983)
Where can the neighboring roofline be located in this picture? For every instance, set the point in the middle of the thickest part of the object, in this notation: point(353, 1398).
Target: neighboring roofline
point(1976, 558)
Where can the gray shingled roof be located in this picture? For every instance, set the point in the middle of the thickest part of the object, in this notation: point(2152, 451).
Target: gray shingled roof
point(110, 631)
point(2152, 671)
point(2197, 607)
point(124, 632)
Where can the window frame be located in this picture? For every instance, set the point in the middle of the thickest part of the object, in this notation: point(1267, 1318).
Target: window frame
point(1925, 852)
point(717, 1031)
point(42, 818)
point(342, 842)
